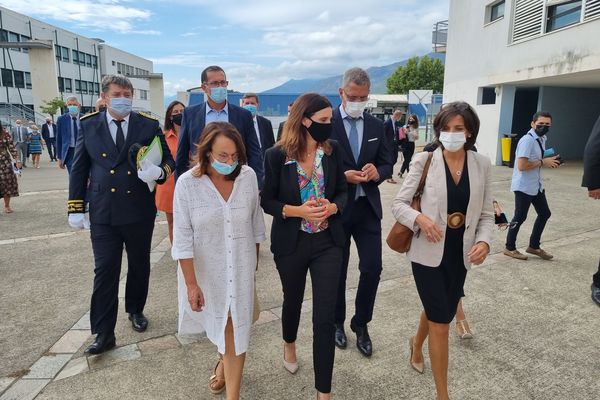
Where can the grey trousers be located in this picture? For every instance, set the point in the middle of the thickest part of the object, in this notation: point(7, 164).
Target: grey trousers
point(22, 151)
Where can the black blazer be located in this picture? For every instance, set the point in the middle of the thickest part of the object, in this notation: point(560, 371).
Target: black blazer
point(375, 149)
point(280, 130)
point(281, 188)
point(192, 124)
point(115, 193)
point(591, 159)
point(267, 140)
point(389, 129)
point(46, 131)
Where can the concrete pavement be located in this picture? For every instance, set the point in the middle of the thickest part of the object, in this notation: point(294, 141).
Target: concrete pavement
point(536, 328)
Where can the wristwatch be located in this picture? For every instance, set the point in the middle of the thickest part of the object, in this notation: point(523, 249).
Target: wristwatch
point(283, 212)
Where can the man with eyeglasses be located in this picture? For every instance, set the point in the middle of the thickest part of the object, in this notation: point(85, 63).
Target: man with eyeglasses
point(216, 108)
point(367, 162)
point(528, 187)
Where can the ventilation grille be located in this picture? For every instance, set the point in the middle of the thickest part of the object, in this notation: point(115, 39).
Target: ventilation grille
point(592, 9)
point(528, 16)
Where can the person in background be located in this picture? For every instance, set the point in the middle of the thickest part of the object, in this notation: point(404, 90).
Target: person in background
point(411, 132)
point(49, 136)
point(35, 146)
point(528, 187)
point(164, 192)
point(68, 126)
point(218, 264)
point(391, 127)
point(20, 137)
point(262, 126)
point(457, 195)
point(100, 104)
point(282, 123)
point(591, 180)
point(9, 186)
point(305, 191)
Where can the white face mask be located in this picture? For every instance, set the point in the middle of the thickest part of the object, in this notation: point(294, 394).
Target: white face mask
point(453, 141)
point(355, 108)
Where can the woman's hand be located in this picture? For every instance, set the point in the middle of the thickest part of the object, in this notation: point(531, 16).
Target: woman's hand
point(312, 212)
point(431, 231)
point(478, 253)
point(331, 208)
point(195, 297)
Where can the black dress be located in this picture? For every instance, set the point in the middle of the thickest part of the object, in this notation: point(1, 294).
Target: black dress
point(440, 288)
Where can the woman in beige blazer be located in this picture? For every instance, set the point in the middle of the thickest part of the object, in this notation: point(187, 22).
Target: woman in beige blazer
point(452, 231)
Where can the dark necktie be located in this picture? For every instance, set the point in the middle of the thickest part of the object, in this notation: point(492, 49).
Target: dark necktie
point(74, 129)
point(120, 139)
point(353, 138)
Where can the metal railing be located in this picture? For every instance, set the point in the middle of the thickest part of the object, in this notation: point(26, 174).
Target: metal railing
point(9, 113)
point(439, 36)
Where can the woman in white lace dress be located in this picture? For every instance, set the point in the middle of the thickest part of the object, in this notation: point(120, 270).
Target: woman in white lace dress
point(218, 225)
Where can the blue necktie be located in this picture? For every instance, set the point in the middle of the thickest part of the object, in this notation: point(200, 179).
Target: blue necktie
point(74, 130)
point(353, 138)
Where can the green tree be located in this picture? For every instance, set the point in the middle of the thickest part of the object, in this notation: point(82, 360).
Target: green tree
point(52, 107)
point(423, 73)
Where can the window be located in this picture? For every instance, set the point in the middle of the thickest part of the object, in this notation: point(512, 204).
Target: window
point(57, 51)
point(77, 86)
point(113, 63)
point(7, 77)
point(95, 61)
point(143, 94)
point(3, 35)
point(88, 60)
point(13, 37)
point(19, 79)
point(65, 54)
point(75, 57)
point(562, 15)
point(27, 80)
point(496, 11)
point(61, 85)
point(96, 88)
point(68, 85)
point(25, 39)
point(487, 95)
point(84, 89)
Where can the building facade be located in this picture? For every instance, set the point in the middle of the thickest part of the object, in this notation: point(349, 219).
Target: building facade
point(510, 58)
point(48, 62)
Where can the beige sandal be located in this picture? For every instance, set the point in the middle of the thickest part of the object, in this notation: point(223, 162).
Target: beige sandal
point(463, 330)
point(216, 383)
point(8, 210)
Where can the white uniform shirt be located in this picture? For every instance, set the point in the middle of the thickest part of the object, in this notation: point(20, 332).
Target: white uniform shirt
point(221, 237)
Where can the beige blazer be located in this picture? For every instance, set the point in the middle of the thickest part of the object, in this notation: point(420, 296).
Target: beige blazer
point(434, 204)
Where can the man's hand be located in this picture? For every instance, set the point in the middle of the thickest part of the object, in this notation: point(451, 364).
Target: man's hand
point(551, 162)
point(77, 221)
point(355, 177)
point(149, 172)
point(61, 165)
point(370, 172)
point(594, 194)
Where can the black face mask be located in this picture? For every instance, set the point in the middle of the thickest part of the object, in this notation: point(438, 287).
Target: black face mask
point(176, 119)
point(541, 130)
point(320, 132)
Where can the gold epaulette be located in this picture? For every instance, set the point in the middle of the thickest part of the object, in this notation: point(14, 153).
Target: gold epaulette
point(75, 206)
point(143, 114)
point(168, 170)
point(88, 115)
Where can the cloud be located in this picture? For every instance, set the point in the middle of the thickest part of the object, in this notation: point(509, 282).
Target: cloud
point(100, 15)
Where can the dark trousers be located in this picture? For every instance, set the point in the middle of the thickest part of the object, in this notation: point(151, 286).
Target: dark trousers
point(408, 149)
point(107, 244)
point(522, 203)
point(362, 224)
point(68, 160)
point(51, 146)
point(596, 277)
point(315, 252)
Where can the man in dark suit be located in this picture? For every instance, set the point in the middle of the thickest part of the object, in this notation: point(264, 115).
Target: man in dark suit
point(122, 207)
point(391, 127)
point(67, 126)
point(49, 135)
point(591, 180)
point(216, 108)
point(367, 163)
point(280, 129)
point(262, 126)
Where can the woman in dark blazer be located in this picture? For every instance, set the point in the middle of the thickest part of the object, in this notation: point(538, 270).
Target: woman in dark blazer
point(305, 191)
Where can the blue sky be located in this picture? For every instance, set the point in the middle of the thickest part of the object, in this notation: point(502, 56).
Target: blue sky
point(259, 43)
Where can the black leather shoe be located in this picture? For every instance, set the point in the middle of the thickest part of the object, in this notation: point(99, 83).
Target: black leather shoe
point(596, 294)
point(139, 322)
point(103, 342)
point(341, 341)
point(363, 341)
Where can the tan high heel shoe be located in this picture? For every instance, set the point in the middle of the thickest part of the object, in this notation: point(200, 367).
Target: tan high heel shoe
point(463, 330)
point(417, 366)
point(216, 383)
point(291, 367)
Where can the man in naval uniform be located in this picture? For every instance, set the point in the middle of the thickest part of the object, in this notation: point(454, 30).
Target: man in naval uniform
point(121, 206)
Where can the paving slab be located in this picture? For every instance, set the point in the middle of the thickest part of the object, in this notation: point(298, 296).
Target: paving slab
point(26, 389)
point(71, 341)
point(74, 367)
point(117, 355)
point(158, 344)
point(47, 367)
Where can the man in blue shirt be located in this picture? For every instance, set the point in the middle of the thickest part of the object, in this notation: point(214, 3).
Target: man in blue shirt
point(528, 186)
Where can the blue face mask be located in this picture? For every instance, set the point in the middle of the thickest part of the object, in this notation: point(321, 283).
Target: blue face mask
point(252, 108)
point(218, 94)
point(73, 110)
point(224, 168)
point(121, 106)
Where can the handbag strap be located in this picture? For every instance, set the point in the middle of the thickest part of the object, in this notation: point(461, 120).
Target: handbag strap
point(421, 186)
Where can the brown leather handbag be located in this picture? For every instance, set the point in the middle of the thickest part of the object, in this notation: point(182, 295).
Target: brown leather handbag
point(400, 236)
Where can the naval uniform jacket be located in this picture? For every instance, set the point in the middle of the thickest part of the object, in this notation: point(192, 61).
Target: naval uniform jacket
point(115, 194)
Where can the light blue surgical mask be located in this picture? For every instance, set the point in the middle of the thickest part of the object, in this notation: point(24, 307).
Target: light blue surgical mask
point(252, 108)
point(73, 110)
point(121, 106)
point(218, 94)
point(224, 168)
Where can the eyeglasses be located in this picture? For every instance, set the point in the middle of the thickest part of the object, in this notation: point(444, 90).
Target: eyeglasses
point(217, 84)
point(224, 157)
point(353, 99)
point(503, 227)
